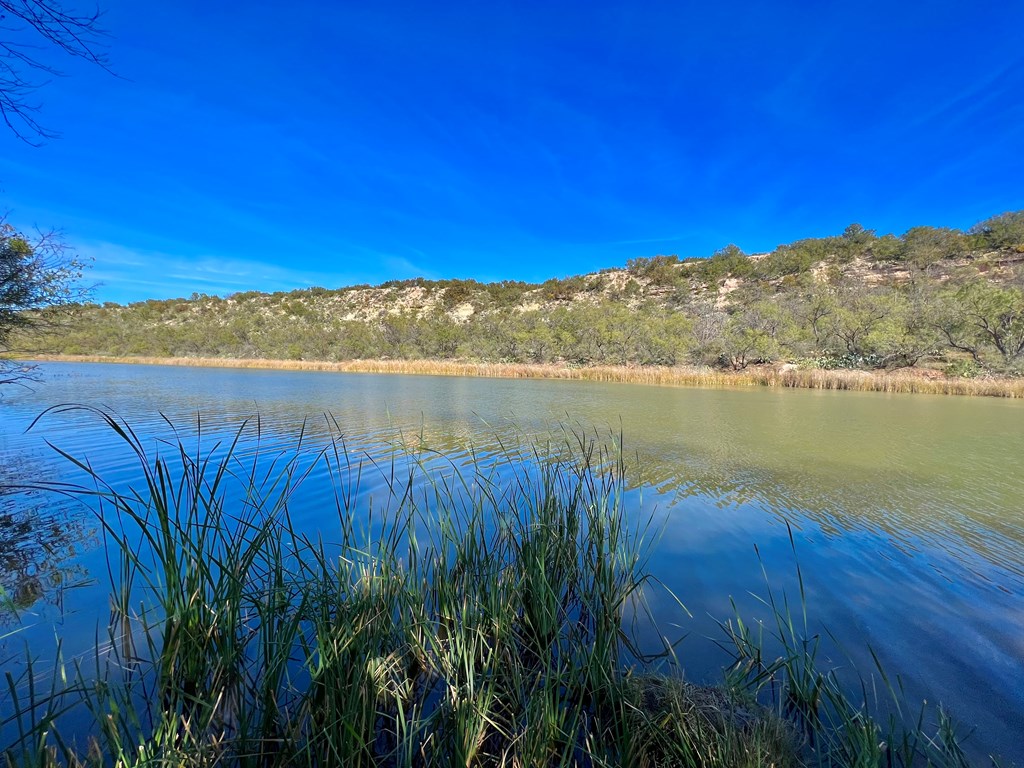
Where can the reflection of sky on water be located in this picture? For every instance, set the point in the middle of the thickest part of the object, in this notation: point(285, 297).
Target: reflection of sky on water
point(906, 511)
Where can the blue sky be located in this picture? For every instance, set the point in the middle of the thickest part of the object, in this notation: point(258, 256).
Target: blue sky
point(303, 143)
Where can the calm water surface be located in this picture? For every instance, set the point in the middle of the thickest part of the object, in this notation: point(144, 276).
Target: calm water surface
point(907, 511)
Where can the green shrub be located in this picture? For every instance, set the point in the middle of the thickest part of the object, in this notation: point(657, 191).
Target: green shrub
point(964, 369)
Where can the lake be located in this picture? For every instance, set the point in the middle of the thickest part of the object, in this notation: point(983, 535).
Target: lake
point(907, 511)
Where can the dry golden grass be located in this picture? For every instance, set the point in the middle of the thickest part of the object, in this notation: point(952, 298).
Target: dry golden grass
point(689, 376)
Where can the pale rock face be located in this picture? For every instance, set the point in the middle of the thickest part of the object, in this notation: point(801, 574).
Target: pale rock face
point(462, 312)
point(730, 285)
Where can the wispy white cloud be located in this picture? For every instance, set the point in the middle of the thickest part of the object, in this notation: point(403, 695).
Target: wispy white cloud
point(399, 266)
point(127, 274)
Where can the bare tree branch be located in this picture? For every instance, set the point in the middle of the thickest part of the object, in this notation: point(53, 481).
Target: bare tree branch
point(28, 29)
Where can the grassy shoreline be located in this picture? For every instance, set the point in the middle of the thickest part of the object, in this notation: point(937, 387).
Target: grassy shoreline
point(908, 382)
point(473, 616)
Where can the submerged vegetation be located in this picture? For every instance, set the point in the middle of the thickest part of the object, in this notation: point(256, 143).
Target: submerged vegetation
point(476, 614)
point(948, 300)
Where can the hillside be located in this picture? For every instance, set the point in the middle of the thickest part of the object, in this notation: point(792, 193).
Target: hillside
point(932, 296)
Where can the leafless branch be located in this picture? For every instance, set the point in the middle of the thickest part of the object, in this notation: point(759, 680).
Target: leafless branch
point(24, 24)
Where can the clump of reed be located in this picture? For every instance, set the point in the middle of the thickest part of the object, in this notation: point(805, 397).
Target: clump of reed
point(474, 615)
point(900, 382)
point(777, 662)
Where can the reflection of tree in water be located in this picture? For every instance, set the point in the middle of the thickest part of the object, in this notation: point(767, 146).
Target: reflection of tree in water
point(40, 538)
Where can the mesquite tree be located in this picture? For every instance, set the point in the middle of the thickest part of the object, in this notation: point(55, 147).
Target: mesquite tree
point(39, 285)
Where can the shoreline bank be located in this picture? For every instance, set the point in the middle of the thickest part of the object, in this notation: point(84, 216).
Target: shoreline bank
point(908, 382)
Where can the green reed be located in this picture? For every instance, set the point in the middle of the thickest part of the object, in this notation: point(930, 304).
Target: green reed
point(471, 615)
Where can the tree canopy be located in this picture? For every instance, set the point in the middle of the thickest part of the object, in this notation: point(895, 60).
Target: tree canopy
point(36, 273)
